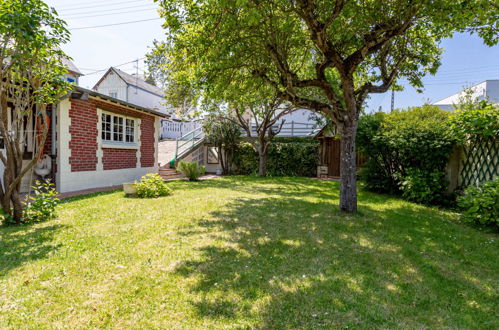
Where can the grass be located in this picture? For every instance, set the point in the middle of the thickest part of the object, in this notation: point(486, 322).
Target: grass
point(245, 252)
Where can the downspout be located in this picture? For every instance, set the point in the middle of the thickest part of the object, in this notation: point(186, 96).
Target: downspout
point(53, 152)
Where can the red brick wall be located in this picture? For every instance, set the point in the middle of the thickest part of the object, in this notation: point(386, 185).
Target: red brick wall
point(83, 130)
point(83, 144)
point(114, 159)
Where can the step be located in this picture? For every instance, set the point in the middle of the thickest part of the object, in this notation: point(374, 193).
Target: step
point(167, 171)
point(171, 177)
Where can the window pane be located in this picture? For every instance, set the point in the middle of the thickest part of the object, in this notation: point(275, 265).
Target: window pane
point(118, 129)
point(130, 129)
point(106, 127)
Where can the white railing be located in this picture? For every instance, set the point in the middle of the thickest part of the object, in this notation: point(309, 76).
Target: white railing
point(292, 129)
point(187, 142)
point(173, 129)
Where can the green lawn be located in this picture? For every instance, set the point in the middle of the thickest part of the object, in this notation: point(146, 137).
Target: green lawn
point(248, 253)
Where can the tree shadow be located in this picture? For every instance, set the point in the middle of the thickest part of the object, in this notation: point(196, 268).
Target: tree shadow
point(87, 196)
point(294, 261)
point(22, 244)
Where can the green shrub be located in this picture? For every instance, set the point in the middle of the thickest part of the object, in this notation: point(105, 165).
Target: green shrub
point(423, 186)
point(191, 170)
point(151, 186)
point(480, 204)
point(407, 152)
point(298, 157)
point(42, 205)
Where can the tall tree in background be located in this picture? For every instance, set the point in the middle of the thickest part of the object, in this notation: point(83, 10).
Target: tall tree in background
point(31, 76)
point(324, 55)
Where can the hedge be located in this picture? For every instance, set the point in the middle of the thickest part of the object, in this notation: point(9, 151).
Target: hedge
point(286, 157)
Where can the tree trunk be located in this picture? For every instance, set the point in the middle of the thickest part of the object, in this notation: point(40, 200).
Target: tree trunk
point(262, 166)
point(262, 154)
point(348, 185)
point(17, 206)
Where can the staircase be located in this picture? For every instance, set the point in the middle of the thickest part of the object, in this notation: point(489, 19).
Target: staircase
point(185, 144)
point(169, 173)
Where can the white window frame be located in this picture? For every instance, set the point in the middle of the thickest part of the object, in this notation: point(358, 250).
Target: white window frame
point(119, 144)
point(113, 92)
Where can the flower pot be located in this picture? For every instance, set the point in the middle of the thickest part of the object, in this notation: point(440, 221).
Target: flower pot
point(130, 188)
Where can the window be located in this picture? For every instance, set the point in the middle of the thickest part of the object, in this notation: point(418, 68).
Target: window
point(106, 127)
point(212, 155)
point(130, 131)
point(113, 94)
point(117, 129)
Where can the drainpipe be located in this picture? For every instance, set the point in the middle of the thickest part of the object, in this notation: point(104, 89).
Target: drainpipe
point(53, 152)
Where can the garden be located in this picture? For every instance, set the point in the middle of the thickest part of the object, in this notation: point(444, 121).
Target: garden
point(248, 252)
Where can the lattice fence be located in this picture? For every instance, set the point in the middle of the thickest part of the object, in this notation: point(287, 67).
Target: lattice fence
point(481, 161)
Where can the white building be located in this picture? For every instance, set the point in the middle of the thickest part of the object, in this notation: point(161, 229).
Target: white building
point(132, 89)
point(488, 89)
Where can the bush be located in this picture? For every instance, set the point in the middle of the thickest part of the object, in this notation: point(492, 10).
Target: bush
point(299, 157)
point(424, 187)
point(480, 204)
point(407, 152)
point(41, 206)
point(151, 186)
point(191, 170)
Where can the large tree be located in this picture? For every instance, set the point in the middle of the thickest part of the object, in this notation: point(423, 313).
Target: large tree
point(31, 76)
point(324, 55)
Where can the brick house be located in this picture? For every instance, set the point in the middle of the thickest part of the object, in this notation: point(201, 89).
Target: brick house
point(99, 141)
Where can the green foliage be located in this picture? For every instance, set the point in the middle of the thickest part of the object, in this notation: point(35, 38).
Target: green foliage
point(225, 135)
point(407, 152)
point(297, 158)
point(31, 37)
point(152, 185)
point(475, 119)
point(191, 170)
point(41, 206)
point(480, 204)
point(423, 186)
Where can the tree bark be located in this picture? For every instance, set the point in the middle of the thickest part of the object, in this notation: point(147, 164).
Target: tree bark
point(348, 175)
point(262, 166)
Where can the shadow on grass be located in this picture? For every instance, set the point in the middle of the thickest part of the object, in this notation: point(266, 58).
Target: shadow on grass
point(88, 196)
point(23, 244)
point(298, 264)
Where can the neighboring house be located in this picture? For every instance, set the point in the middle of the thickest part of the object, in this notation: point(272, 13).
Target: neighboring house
point(73, 75)
point(488, 89)
point(132, 89)
point(97, 141)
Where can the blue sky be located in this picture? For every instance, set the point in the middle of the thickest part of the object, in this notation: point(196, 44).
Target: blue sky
point(466, 60)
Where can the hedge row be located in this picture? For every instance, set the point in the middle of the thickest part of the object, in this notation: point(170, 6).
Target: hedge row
point(286, 157)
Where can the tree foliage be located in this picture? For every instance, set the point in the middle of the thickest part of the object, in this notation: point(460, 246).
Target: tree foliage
point(31, 76)
point(327, 56)
point(225, 135)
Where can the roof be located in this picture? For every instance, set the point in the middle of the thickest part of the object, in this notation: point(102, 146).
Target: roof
point(449, 100)
point(120, 102)
point(132, 81)
point(71, 66)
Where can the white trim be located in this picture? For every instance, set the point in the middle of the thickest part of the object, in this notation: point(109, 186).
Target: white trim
point(117, 145)
point(82, 180)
